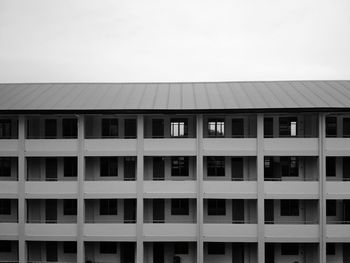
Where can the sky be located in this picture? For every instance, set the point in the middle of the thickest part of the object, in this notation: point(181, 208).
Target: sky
point(182, 40)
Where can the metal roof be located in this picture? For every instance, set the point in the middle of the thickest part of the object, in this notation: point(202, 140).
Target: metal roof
point(175, 96)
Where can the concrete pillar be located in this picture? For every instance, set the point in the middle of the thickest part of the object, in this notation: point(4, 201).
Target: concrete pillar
point(260, 182)
point(199, 163)
point(21, 190)
point(139, 178)
point(322, 186)
point(80, 205)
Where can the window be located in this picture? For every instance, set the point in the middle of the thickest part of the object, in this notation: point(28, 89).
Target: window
point(179, 207)
point(69, 128)
point(108, 166)
point(237, 128)
point(216, 127)
point(5, 206)
point(268, 127)
point(108, 248)
point(70, 167)
point(289, 207)
point(330, 248)
point(5, 167)
point(330, 167)
point(109, 127)
point(50, 128)
point(108, 207)
point(181, 248)
point(331, 126)
point(157, 128)
point(129, 168)
point(346, 127)
point(289, 167)
point(5, 246)
point(70, 207)
point(216, 166)
point(178, 128)
point(69, 247)
point(268, 168)
point(331, 208)
point(216, 207)
point(216, 248)
point(51, 168)
point(179, 166)
point(5, 129)
point(289, 249)
point(130, 128)
point(288, 126)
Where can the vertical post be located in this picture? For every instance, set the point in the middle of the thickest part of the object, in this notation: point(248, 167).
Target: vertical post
point(199, 165)
point(21, 190)
point(81, 174)
point(139, 178)
point(260, 183)
point(322, 184)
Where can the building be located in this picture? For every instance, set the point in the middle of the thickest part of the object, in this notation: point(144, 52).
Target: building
point(247, 172)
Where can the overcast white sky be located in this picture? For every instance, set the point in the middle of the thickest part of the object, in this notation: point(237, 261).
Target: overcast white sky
point(180, 40)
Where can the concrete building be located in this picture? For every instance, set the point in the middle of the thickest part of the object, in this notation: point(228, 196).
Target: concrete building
point(248, 172)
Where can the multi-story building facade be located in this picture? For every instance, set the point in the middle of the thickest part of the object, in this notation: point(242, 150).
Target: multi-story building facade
point(175, 172)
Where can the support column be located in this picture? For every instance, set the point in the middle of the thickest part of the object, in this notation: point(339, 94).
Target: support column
point(139, 178)
point(21, 190)
point(322, 184)
point(199, 163)
point(80, 205)
point(260, 183)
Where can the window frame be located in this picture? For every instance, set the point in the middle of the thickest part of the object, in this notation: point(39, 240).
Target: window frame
point(216, 127)
point(175, 128)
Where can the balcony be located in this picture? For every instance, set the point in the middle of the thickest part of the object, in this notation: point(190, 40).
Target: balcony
point(51, 232)
point(8, 189)
point(9, 230)
point(8, 147)
point(230, 232)
point(338, 232)
point(51, 147)
point(170, 232)
point(291, 146)
point(338, 190)
point(291, 190)
point(110, 147)
point(56, 189)
point(164, 189)
point(230, 189)
point(110, 231)
point(337, 146)
point(109, 189)
point(229, 146)
point(300, 232)
point(170, 146)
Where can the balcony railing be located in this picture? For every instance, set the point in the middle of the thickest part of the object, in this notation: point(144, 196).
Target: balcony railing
point(52, 221)
point(110, 221)
point(170, 221)
point(291, 179)
point(292, 222)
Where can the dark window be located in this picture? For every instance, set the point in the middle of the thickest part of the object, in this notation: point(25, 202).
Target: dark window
point(289, 207)
point(216, 166)
point(50, 128)
point(216, 248)
point(69, 128)
point(179, 166)
point(330, 166)
point(70, 167)
point(178, 128)
point(331, 126)
point(108, 166)
point(109, 127)
point(288, 126)
point(5, 206)
point(5, 129)
point(69, 247)
point(70, 207)
point(130, 128)
point(108, 207)
point(129, 168)
point(179, 207)
point(108, 248)
point(237, 128)
point(216, 207)
point(51, 168)
point(289, 166)
point(5, 246)
point(157, 128)
point(237, 169)
point(289, 249)
point(331, 208)
point(346, 127)
point(181, 248)
point(5, 167)
point(330, 248)
point(268, 127)
point(216, 127)
point(268, 168)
